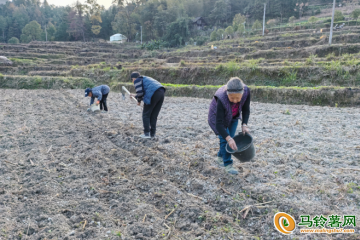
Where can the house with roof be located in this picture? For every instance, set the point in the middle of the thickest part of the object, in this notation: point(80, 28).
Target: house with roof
point(199, 23)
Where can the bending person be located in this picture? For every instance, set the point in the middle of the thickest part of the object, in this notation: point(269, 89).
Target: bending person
point(101, 93)
point(224, 113)
point(152, 93)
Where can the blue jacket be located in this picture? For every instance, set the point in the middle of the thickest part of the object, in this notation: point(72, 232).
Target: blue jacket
point(149, 86)
point(98, 92)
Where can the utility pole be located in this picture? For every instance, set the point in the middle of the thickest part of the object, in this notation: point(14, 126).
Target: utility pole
point(264, 19)
point(141, 34)
point(332, 23)
point(45, 33)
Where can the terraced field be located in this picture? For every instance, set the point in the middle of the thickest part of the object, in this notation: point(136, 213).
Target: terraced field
point(70, 174)
point(288, 59)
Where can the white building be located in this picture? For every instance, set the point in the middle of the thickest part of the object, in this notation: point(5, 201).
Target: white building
point(118, 38)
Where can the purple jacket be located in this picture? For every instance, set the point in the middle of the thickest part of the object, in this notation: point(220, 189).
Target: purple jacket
point(221, 95)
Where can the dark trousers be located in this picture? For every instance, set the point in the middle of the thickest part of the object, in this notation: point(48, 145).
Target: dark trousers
point(151, 112)
point(103, 102)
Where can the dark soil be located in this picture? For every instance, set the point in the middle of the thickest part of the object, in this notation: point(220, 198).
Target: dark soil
point(70, 174)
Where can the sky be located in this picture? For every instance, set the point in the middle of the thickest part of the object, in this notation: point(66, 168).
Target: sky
point(105, 3)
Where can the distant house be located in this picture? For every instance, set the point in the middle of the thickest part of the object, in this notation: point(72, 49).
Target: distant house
point(199, 23)
point(118, 38)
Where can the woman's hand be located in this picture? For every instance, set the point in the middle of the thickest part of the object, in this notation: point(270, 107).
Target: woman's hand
point(97, 103)
point(244, 129)
point(138, 103)
point(231, 143)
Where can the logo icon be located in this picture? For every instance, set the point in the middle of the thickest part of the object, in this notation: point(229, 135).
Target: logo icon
point(284, 223)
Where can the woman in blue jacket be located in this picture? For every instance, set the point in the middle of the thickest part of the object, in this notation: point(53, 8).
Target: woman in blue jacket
point(152, 93)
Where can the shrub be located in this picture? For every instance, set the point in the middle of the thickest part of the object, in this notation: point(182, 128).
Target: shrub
point(232, 67)
point(330, 56)
point(191, 41)
point(13, 40)
point(229, 30)
point(238, 21)
point(182, 63)
point(213, 36)
point(311, 59)
point(153, 44)
point(272, 22)
point(220, 33)
point(38, 80)
point(313, 20)
point(201, 40)
point(338, 16)
point(257, 25)
point(290, 78)
point(292, 19)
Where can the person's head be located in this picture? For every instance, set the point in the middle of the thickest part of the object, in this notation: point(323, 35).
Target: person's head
point(88, 92)
point(235, 89)
point(134, 76)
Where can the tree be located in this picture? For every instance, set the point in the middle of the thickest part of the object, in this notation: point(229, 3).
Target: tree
point(229, 31)
point(257, 25)
point(3, 25)
point(356, 14)
point(301, 7)
point(125, 24)
point(50, 31)
point(241, 29)
point(271, 22)
point(214, 36)
point(313, 20)
point(221, 10)
point(220, 33)
point(237, 21)
point(13, 40)
point(94, 11)
point(292, 19)
point(76, 19)
point(20, 18)
point(62, 32)
point(178, 32)
point(338, 16)
point(31, 31)
point(96, 20)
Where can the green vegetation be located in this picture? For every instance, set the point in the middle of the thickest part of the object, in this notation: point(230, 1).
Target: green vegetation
point(311, 59)
point(257, 25)
point(167, 21)
point(21, 61)
point(13, 40)
point(288, 95)
point(338, 16)
point(32, 31)
point(356, 14)
point(313, 20)
point(289, 78)
point(38, 82)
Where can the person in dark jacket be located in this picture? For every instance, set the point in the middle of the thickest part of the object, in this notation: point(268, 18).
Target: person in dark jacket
point(101, 93)
point(152, 93)
point(229, 103)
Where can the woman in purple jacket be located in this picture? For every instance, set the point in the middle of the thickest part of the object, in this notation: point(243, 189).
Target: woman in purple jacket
point(229, 102)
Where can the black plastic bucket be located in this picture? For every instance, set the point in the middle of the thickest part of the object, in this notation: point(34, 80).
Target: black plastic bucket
point(246, 149)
